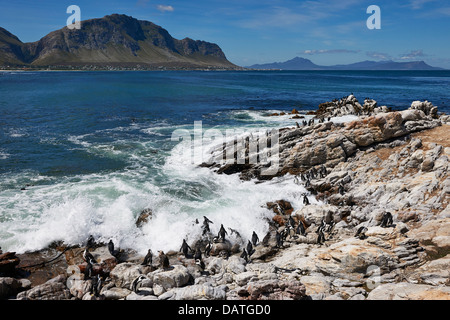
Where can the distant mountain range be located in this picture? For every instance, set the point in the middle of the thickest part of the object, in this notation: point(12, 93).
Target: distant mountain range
point(305, 64)
point(114, 40)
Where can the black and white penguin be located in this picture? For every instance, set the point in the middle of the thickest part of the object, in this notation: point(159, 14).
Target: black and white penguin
point(279, 239)
point(163, 260)
point(291, 222)
point(208, 249)
point(255, 239)
point(244, 255)
point(321, 236)
point(137, 282)
point(205, 225)
point(89, 271)
point(97, 284)
point(301, 229)
point(111, 249)
point(361, 233)
point(222, 233)
point(305, 200)
point(90, 242)
point(200, 263)
point(387, 220)
point(198, 254)
point(185, 248)
point(307, 183)
point(249, 248)
point(148, 259)
point(88, 257)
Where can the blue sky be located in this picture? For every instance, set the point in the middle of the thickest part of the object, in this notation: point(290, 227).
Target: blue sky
point(260, 31)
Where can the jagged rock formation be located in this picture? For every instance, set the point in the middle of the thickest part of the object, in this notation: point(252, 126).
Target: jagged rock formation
point(115, 40)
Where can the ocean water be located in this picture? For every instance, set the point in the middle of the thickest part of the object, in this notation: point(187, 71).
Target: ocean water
point(93, 149)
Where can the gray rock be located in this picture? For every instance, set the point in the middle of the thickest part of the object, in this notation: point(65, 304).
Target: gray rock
point(9, 287)
point(409, 291)
point(177, 277)
point(200, 292)
point(54, 289)
point(79, 288)
point(115, 293)
point(124, 274)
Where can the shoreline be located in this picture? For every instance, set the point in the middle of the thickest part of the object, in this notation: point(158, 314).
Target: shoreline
point(395, 158)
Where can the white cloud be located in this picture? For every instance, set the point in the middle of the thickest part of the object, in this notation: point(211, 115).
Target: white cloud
point(418, 4)
point(412, 55)
point(379, 55)
point(164, 8)
point(312, 52)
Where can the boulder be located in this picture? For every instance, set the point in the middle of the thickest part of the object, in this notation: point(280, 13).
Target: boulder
point(409, 291)
point(115, 293)
point(8, 262)
point(9, 287)
point(274, 290)
point(79, 288)
point(177, 277)
point(124, 274)
point(54, 289)
point(200, 292)
point(218, 247)
point(143, 218)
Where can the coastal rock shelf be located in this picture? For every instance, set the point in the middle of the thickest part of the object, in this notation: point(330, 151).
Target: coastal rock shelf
point(378, 228)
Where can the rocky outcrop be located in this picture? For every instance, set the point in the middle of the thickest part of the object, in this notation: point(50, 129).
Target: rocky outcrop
point(8, 263)
point(378, 228)
point(349, 106)
point(54, 289)
point(327, 143)
point(409, 291)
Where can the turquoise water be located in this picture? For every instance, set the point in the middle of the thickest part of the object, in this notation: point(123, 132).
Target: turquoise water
point(93, 149)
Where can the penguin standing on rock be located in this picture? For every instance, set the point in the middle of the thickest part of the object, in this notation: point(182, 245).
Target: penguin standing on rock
point(361, 233)
point(185, 248)
point(321, 236)
point(88, 272)
point(198, 254)
point(88, 257)
point(244, 255)
point(301, 229)
point(90, 241)
point(208, 249)
point(148, 258)
point(250, 248)
point(255, 239)
point(386, 221)
point(279, 239)
point(305, 200)
point(111, 250)
point(163, 260)
point(137, 282)
point(97, 283)
point(200, 263)
point(205, 225)
point(222, 233)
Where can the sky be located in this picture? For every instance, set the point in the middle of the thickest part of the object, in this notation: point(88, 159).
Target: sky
point(327, 32)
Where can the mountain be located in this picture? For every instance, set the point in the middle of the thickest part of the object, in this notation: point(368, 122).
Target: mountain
point(114, 40)
point(295, 64)
point(305, 64)
point(11, 48)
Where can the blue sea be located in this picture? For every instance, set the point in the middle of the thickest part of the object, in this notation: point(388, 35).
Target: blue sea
point(83, 153)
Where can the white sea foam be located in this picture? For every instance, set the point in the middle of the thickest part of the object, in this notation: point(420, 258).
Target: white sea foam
point(4, 155)
point(107, 205)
